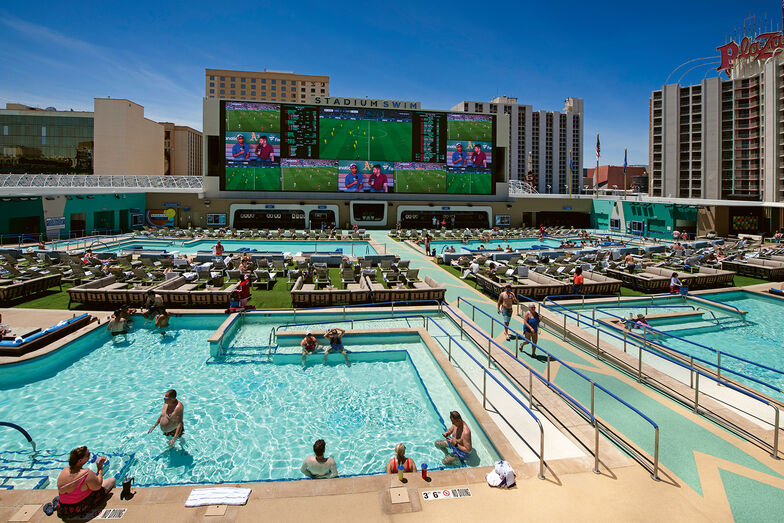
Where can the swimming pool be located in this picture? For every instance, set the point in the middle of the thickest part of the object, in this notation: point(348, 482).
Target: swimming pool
point(246, 419)
point(358, 248)
point(493, 244)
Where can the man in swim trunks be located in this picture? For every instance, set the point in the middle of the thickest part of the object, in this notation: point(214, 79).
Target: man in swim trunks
point(154, 304)
point(309, 345)
point(457, 444)
point(506, 300)
point(171, 417)
point(335, 337)
point(531, 327)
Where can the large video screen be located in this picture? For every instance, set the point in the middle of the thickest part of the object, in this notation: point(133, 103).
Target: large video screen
point(286, 147)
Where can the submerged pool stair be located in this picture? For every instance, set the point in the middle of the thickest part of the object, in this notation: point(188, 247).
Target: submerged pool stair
point(38, 470)
point(233, 354)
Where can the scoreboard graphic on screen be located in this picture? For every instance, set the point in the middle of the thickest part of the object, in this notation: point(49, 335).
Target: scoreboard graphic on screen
point(311, 148)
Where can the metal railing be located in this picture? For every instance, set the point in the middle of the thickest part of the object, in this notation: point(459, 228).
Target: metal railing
point(694, 373)
point(661, 335)
point(485, 373)
point(654, 469)
point(720, 304)
point(20, 429)
point(29, 184)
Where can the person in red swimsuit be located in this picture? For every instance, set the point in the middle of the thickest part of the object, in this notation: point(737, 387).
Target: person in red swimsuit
point(80, 489)
point(400, 459)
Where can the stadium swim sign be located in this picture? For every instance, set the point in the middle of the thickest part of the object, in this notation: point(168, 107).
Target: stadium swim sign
point(763, 46)
point(333, 101)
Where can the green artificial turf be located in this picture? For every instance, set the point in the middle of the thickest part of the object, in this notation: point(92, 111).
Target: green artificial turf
point(743, 281)
point(375, 140)
point(53, 298)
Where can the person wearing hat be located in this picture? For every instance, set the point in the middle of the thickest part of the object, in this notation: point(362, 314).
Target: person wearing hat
point(335, 337)
point(459, 157)
point(531, 327)
point(309, 345)
point(354, 179)
point(239, 150)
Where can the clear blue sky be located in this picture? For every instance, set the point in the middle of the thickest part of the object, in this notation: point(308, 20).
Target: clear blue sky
point(612, 54)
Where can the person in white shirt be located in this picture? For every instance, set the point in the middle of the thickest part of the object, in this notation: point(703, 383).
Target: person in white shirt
point(319, 467)
point(675, 283)
point(472, 269)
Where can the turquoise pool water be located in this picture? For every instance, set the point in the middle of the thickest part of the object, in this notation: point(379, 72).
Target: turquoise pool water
point(758, 339)
point(493, 244)
point(359, 248)
point(245, 421)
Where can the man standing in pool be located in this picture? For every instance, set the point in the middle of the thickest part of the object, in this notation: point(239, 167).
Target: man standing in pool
point(309, 345)
point(506, 300)
point(171, 417)
point(335, 337)
point(457, 444)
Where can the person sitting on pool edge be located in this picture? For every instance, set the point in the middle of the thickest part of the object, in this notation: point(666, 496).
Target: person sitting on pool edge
point(335, 337)
point(309, 345)
point(171, 417)
point(400, 459)
point(457, 445)
point(317, 466)
point(79, 489)
point(154, 304)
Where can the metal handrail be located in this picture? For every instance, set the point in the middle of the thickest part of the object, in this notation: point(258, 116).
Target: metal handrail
point(711, 349)
point(550, 356)
point(692, 372)
point(20, 429)
point(713, 314)
point(742, 316)
point(485, 373)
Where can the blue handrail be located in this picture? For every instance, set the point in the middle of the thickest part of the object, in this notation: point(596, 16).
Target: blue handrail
point(486, 372)
point(691, 369)
point(711, 349)
point(557, 389)
point(552, 357)
point(374, 304)
point(20, 429)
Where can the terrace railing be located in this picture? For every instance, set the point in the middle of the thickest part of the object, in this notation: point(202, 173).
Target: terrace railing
point(646, 346)
point(652, 464)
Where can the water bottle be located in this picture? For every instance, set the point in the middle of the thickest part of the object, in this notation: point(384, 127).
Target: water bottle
point(400, 472)
point(424, 471)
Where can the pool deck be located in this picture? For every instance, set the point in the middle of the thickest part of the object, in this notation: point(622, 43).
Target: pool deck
point(708, 473)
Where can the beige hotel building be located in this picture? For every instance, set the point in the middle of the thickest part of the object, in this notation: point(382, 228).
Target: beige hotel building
point(263, 85)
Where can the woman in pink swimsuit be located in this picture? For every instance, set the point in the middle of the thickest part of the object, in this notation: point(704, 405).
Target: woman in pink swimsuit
point(81, 489)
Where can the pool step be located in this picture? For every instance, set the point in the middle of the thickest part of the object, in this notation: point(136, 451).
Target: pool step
point(36, 470)
point(246, 354)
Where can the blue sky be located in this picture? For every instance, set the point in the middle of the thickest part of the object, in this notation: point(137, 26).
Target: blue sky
point(612, 54)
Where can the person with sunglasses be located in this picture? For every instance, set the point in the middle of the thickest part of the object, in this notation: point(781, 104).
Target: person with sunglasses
point(171, 417)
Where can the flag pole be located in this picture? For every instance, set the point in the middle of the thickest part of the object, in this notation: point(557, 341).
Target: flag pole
point(596, 172)
point(624, 174)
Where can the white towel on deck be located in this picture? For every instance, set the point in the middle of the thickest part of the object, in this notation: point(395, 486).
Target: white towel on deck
point(217, 496)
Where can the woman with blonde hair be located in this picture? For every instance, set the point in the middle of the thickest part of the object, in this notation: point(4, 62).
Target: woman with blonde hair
point(400, 459)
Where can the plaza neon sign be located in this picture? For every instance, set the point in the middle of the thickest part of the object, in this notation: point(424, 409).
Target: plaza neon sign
point(763, 46)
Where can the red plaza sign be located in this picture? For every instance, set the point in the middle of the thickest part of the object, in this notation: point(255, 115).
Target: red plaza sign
point(763, 46)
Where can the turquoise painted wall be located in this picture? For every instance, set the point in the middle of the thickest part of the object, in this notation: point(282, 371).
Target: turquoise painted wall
point(17, 208)
point(103, 203)
point(600, 217)
point(108, 206)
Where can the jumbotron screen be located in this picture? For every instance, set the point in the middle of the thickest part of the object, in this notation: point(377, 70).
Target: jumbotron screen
point(310, 148)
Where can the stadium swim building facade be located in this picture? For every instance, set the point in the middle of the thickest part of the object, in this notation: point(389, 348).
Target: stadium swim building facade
point(133, 201)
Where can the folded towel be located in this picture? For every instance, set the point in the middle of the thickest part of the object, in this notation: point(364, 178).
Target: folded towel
point(218, 496)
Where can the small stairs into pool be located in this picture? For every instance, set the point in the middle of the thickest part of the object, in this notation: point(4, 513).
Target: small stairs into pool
point(39, 470)
point(234, 355)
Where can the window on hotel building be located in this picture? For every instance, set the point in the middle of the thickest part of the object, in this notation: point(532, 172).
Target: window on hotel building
point(232, 92)
point(212, 78)
point(212, 91)
point(322, 91)
point(223, 91)
point(223, 85)
point(233, 78)
point(212, 84)
point(223, 78)
point(312, 90)
point(242, 93)
point(233, 86)
point(253, 80)
point(283, 82)
point(273, 81)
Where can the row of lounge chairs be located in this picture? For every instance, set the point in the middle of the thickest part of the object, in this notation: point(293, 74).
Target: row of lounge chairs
point(657, 279)
point(364, 290)
point(264, 234)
